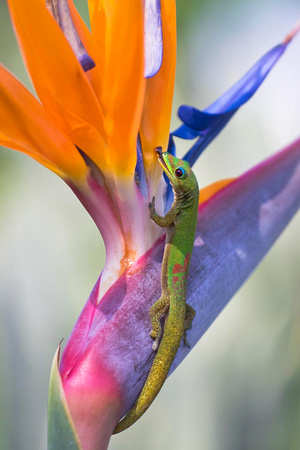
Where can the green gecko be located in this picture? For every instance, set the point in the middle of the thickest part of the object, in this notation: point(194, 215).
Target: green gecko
point(180, 223)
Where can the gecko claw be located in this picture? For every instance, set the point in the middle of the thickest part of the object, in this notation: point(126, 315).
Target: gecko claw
point(155, 345)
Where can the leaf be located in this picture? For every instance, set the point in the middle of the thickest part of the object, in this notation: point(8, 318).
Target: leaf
point(61, 431)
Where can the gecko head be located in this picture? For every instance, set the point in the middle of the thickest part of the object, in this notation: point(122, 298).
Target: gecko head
point(181, 176)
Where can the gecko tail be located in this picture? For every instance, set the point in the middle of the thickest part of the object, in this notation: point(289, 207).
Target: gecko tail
point(153, 385)
point(131, 417)
point(156, 378)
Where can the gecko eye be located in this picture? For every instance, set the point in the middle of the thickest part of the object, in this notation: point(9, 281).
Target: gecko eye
point(179, 172)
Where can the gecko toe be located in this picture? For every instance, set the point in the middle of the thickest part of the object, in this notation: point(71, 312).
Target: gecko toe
point(186, 343)
point(153, 334)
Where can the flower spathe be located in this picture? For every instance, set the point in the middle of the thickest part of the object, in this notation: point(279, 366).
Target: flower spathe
point(107, 356)
point(105, 101)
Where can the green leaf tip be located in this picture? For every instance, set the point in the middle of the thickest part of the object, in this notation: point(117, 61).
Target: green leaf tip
point(61, 430)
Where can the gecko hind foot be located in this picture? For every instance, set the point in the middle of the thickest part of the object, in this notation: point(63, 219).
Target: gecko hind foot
point(157, 310)
point(189, 317)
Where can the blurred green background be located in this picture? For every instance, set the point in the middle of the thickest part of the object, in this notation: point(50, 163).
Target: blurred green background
point(240, 387)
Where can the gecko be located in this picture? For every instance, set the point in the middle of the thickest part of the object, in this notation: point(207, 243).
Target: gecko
point(180, 223)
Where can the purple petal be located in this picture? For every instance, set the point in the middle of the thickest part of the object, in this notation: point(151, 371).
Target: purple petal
point(61, 13)
point(235, 230)
point(153, 38)
point(86, 61)
point(208, 123)
point(140, 176)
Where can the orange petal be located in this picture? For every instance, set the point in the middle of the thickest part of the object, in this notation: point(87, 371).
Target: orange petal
point(155, 125)
point(117, 28)
point(209, 191)
point(59, 80)
point(27, 127)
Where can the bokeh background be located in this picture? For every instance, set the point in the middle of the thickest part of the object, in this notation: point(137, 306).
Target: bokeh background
point(240, 387)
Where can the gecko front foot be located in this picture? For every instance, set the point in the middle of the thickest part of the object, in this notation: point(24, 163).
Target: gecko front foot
point(152, 208)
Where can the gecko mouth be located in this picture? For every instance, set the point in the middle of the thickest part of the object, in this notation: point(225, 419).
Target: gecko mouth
point(161, 159)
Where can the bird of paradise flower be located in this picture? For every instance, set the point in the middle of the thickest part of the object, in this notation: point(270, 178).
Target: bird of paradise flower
point(105, 105)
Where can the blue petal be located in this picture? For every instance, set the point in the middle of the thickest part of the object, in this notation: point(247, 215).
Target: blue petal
point(197, 120)
point(140, 177)
point(169, 192)
point(207, 124)
point(185, 132)
point(171, 146)
point(153, 38)
point(243, 90)
point(206, 138)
